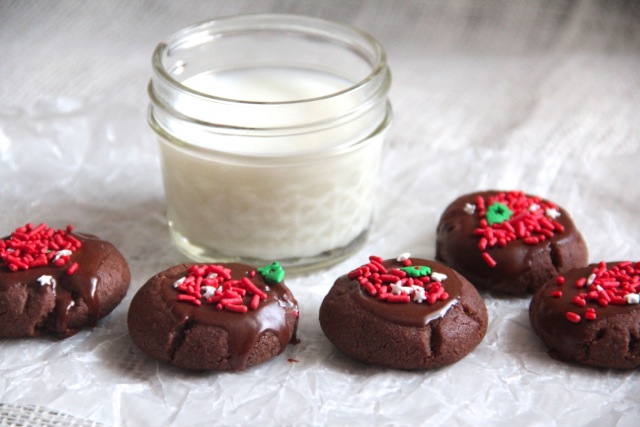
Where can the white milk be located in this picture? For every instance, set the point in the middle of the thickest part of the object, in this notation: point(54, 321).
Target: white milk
point(274, 208)
point(267, 84)
point(271, 130)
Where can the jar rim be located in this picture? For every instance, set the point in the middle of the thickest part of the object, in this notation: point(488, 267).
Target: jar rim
point(260, 22)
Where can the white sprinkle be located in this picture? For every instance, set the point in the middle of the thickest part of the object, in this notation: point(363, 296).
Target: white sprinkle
point(419, 295)
point(632, 298)
point(591, 278)
point(599, 288)
point(211, 276)
point(470, 208)
point(438, 277)
point(534, 207)
point(208, 291)
point(178, 282)
point(403, 256)
point(552, 213)
point(45, 280)
point(397, 288)
point(60, 254)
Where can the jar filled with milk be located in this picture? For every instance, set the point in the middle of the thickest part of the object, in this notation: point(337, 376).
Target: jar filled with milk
point(271, 130)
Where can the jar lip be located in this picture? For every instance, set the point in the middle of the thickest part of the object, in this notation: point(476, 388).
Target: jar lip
point(294, 24)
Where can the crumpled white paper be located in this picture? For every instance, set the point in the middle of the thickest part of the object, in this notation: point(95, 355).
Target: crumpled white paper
point(96, 166)
point(562, 123)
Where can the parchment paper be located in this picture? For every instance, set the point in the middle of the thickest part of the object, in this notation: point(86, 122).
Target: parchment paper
point(543, 98)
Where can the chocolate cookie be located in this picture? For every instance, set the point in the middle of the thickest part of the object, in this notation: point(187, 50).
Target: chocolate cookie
point(404, 313)
point(508, 242)
point(57, 281)
point(214, 316)
point(591, 315)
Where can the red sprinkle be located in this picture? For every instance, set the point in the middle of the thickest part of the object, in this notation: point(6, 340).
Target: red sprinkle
point(579, 301)
point(189, 298)
point(573, 317)
point(377, 259)
point(255, 301)
point(489, 260)
point(73, 268)
point(249, 286)
point(238, 308)
point(402, 298)
point(380, 268)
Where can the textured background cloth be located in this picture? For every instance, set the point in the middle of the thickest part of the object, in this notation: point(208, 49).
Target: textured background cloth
point(542, 96)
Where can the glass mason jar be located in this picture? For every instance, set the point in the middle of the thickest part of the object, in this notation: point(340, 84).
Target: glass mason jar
point(271, 130)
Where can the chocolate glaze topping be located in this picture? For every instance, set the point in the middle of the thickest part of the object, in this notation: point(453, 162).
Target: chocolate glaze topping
point(411, 313)
point(244, 329)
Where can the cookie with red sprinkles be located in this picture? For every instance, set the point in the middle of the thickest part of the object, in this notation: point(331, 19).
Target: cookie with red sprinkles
point(508, 241)
point(591, 315)
point(220, 317)
point(57, 281)
point(404, 313)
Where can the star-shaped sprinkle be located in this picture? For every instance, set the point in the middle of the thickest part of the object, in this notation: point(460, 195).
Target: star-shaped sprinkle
point(534, 207)
point(45, 279)
point(419, 295)
point(207, 291)
point(497, 213)
point(438, 277)
point(552, 213)
point(417, 270)
point(272, 273)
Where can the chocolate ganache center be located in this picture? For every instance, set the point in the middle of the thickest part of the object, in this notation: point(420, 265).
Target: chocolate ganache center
point(407, 300)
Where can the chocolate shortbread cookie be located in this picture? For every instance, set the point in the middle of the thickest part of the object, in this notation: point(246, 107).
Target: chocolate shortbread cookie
point(57, 281)
point(508, 242)
point(404, 313)
point(214, 316)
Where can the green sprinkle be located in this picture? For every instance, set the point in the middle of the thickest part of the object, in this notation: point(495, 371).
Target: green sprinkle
point(272, 273)
point(498, 213)
point(417, 270)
